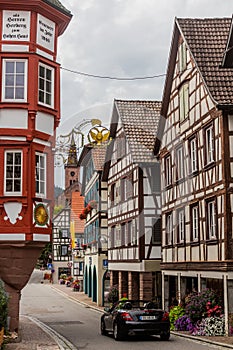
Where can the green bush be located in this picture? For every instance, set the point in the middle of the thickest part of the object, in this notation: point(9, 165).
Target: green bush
point(175, 313)
point(3, 306)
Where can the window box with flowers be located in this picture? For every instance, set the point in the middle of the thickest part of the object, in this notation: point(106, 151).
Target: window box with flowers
point(91, 205)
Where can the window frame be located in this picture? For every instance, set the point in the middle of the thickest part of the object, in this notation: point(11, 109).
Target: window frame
point(195, 229)
point(180, 225)
point(117, 237)
point(169, 225)
point(184, 101)
point(25, 80)
point(209, 145)
point(180, 170)
point(168, 170)
point(44, 156)
point(45, 90)
point(193, 155)
point(182, 57)
point(13, 193)
point(211, 219)
point(157, 227)
point(66, 247)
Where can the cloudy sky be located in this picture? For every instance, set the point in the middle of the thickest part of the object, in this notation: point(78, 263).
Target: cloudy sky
point(122, 39)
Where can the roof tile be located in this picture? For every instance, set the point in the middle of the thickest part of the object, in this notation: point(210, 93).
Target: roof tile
point(140, 121)
point(207, 39)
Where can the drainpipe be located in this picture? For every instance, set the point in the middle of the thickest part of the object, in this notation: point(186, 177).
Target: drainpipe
point(178, 287)
point(225, 303)
point(163, 291)
point(199, 282)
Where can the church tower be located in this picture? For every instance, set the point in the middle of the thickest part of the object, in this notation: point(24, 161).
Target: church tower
point(71, 166)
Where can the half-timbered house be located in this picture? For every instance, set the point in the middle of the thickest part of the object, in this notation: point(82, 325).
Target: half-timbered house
point(68, 257)
point(133, 175)
point(196, 136)
point(96, 277)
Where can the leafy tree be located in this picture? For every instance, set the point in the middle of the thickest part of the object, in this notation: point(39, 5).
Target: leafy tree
point(57, 209)
point(44, 258)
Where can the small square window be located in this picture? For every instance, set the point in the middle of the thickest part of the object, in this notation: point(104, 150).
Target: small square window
point(14, 82)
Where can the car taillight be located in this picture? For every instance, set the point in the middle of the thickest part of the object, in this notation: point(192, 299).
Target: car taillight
point(165, 316)
point(126, 316)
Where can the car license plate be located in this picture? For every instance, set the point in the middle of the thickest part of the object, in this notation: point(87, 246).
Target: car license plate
point(147, 318)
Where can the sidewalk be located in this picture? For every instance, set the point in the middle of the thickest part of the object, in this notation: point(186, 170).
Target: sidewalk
point(35, 337)
point(32, 337)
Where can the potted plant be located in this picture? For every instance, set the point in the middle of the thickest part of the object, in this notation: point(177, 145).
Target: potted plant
point(62, 279)
point(69, 281)
point(76, 285)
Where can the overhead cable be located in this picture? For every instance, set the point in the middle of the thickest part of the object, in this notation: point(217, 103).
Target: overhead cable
point(112, 78)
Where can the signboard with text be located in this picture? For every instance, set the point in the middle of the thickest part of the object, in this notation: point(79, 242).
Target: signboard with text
point(45, 32)
point(16, 26)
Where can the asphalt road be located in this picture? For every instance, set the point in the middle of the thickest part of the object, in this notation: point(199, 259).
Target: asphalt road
point(81, 325)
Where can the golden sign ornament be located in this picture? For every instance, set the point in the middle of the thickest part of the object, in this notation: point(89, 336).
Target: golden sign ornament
point(41, 215)
point(98, 134)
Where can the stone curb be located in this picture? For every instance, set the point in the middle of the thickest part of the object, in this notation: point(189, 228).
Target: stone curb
point(63, 343)
point(202, 340)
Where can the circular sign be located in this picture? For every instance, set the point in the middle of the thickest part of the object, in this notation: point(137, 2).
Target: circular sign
point(41, 215)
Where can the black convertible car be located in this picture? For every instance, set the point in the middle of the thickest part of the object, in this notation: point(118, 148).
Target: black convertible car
point(133, 317)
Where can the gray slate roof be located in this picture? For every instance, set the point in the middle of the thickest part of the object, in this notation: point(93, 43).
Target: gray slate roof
point(207, 39)
point(140, 121)
point(57, 4)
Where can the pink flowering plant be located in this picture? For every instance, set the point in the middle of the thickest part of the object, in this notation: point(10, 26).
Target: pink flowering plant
point(203, 314)
point(203, 304)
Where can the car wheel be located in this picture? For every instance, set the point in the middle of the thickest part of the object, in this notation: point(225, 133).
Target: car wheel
point(117, 334)
point(165, 336)
point(102, 328)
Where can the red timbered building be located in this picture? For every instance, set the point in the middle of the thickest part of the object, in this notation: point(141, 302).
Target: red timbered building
point(196, 155)
point(134, 224)
point(29, 115)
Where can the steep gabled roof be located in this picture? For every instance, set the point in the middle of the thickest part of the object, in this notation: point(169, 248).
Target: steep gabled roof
point(58, 5)
point(77, 205)
point(206, 39)
point(140, 120)
point(97, 153)
point(98, 156)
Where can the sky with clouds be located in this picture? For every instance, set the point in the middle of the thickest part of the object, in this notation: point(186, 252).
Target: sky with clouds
point(119, 38)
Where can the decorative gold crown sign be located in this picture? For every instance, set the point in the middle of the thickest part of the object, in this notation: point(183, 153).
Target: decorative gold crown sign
point(98, 134)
